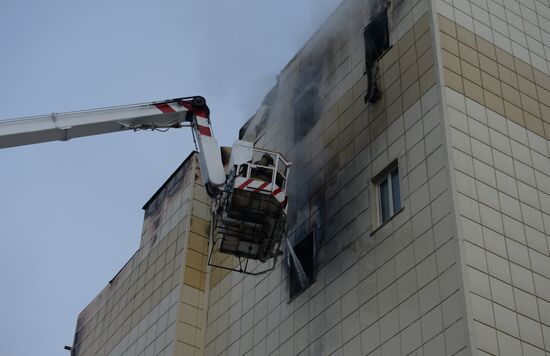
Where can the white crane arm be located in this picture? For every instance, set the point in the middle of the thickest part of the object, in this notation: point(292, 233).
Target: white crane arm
point(174, 113)
point(68, 125)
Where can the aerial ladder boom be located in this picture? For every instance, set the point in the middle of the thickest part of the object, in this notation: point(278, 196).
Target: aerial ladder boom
point(249, 197)
point(175, 113)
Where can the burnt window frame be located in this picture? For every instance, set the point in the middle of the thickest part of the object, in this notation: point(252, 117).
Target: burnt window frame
point(301, 250)
point(306, 113)
point(375, 47)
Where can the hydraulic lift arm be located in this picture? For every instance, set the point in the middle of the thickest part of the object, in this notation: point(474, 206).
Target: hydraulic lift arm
point(250, 202)
point(175, 113)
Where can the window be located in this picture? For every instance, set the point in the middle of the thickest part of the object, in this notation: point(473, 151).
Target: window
point(301, 263)
point(305, 112)
point(376, 37)
point(306, 101)
point(387, 193)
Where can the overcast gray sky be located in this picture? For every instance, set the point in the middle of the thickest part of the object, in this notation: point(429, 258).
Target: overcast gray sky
point(70, 213)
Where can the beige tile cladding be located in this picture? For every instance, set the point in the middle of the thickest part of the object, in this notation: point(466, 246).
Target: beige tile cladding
point(394, 292)
point(218, 274)
point(405, 73)
point(191, 322)
point(197, 254)
point(502, 175)
point(189, 330)
point(492, 77)
point(149, 281)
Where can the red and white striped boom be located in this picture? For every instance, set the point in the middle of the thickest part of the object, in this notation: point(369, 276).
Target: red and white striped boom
point(174, 113)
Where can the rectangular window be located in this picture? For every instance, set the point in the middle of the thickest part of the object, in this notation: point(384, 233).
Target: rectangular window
point(301, 264)
point(388, 193)
point(377, 41)
point(305, 112)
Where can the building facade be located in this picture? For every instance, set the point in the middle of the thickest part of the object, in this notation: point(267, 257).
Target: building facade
point(156, 304)
point(419, 200)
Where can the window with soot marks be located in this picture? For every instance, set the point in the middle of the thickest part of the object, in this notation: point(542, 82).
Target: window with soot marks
point(301, 264)
point(306, 101)
point(377, 41)
point(305, 112)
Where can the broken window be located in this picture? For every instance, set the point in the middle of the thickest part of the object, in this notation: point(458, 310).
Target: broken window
point(305, 112)
point(306, 102)
point(376, 36)
point(301, 263)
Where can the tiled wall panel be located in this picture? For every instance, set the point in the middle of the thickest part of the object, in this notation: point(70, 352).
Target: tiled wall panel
point(136, 313)
point(494, 78)
point(519, 27)
point(499, 130)
point(501, 171)
point(397, 290)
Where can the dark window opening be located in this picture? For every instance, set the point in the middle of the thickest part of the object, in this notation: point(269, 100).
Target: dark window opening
point(305, 112)
point(306, 101)
point(377, 41)
point(301, 263)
